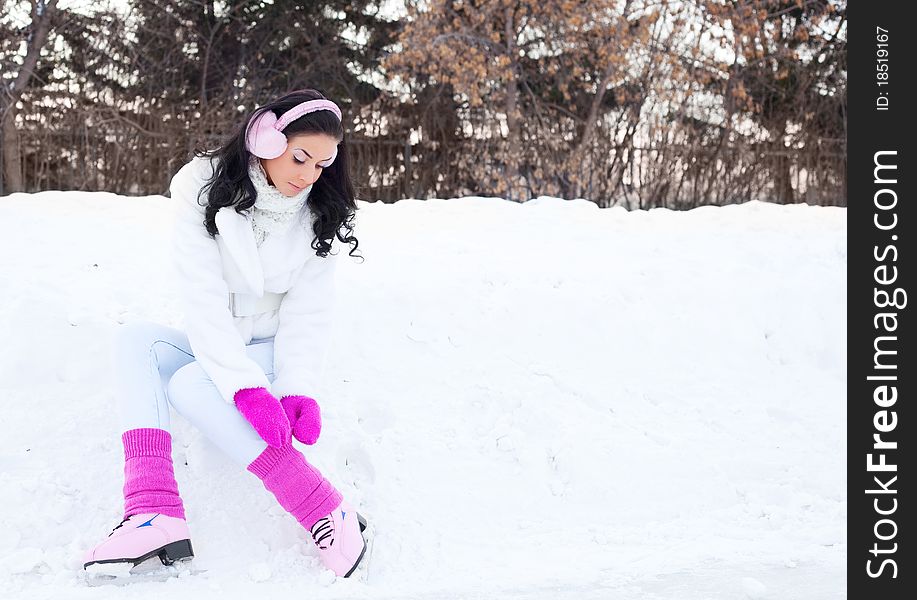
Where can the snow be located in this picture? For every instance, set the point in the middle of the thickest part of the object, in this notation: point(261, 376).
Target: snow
point(539, 400)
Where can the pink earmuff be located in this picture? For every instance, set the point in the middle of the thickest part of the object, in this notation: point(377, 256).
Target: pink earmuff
point(264, 137)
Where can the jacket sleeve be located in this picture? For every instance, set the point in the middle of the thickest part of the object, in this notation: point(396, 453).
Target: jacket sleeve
point(203, 293)
point(304, 331)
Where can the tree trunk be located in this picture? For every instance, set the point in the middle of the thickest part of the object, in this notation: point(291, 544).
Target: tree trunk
point(514, 145)
point(38, 35)
point(12, 169)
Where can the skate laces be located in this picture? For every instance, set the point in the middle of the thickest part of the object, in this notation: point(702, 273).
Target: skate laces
point(323, 528)
point(123, 521)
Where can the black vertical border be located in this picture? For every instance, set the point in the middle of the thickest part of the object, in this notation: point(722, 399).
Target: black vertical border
point(870, 131)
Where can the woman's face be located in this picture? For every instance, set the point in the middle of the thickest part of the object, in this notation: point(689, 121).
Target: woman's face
point(298, 167)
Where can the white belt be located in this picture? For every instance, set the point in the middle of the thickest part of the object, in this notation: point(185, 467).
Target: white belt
point(246, 305)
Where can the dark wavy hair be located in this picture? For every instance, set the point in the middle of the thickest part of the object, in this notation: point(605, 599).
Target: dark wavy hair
point(331, 199)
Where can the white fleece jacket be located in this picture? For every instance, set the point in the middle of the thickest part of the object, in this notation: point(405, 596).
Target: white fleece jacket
point(208, 269)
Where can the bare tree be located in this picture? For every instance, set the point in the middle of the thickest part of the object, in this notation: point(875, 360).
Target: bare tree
point(641, 103)
point(36, 35)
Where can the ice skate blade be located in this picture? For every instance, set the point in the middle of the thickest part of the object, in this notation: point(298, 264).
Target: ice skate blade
point(151, 569)
point(360, 571)
point(168, 554)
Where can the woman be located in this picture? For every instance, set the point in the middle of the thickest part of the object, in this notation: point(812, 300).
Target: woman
point(252, 245)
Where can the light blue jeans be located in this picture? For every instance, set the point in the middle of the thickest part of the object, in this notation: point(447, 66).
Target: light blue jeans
point(154, 367)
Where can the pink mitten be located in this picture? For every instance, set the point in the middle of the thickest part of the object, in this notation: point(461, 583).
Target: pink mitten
point(304, 416)
point(266, 415)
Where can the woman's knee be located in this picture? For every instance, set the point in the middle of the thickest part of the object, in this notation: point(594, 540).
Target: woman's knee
point(141, 336)
point(134, 344)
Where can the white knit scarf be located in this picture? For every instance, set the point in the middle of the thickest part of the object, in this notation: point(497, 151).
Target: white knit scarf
point(273, 213)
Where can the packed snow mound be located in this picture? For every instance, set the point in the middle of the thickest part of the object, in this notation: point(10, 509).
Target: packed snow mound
point(538, 400)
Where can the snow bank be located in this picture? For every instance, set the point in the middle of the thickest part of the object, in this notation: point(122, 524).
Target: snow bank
point(544, 400)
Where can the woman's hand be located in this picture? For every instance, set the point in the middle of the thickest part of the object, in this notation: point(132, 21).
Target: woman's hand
point(264, 412)
point(305, 417)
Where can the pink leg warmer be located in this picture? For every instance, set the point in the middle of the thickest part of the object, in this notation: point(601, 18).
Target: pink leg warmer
point(149, 481)
point(298, 486)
